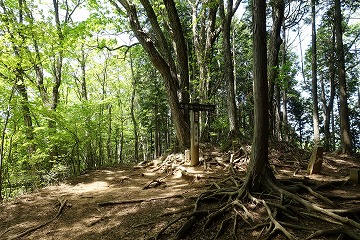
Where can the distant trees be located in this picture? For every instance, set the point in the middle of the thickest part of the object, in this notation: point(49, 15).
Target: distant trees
point(331, 78)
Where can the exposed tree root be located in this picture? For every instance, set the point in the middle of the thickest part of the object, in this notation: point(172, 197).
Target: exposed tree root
point(153, 184)
point(232, 204)
point(336, 231)
point(102, 204)
point(30, 230)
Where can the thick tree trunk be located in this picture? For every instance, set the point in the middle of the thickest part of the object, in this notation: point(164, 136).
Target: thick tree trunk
point(163, 62)
point(181, 51)
point(346, 145)
point(314, 76)
point(259, 171)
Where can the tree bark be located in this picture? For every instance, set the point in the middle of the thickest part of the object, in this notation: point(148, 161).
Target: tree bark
point(346, 145)
point(180, 49)
point(259, 171)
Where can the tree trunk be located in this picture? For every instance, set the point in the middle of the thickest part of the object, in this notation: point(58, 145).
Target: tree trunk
point(278, 113)
point(314, 76)
point(346, 145)
point(82, 61)
point(29, 129)
point(6, 121)
point(259, 171)
point(109, 136)
point(132, 112)
point(328, 108)
point(226, 17)
point(164, 63)
point(156, 132)
point(180, 50)
point(284, 93)
point(273, 56)
point(204, 36)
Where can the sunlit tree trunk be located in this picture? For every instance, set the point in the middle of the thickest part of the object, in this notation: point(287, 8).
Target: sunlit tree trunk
point(346, 145)
point(328, 108)
point(82, 61)
point(314, 76)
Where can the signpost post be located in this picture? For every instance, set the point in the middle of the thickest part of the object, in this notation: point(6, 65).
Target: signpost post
point(195, 109)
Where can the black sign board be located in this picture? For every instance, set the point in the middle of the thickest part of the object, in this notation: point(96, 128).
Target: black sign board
point(197, 107)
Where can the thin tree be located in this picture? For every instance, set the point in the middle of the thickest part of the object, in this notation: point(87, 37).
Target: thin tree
point(2, 145)
point(314, 75)
point(275, 42)
point(132, 109)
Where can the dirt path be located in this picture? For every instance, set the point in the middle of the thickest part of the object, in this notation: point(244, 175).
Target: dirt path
point(90, 211)
point(113, 204)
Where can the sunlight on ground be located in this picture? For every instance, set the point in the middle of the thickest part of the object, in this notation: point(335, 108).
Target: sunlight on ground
point(85, 187)
point(320, 177)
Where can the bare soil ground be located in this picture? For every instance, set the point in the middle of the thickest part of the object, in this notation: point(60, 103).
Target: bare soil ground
point(136, 202)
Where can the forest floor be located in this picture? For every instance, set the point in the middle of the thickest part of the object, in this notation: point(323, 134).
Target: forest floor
point(137, 201)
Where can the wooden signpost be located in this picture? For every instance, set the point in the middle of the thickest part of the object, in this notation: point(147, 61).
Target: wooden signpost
point(195, 109)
